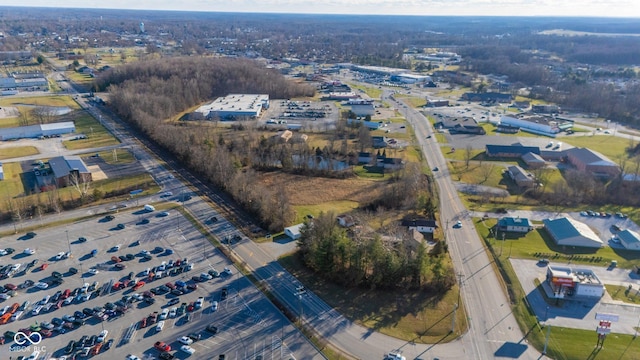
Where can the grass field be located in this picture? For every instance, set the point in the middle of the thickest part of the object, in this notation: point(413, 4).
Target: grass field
point(97, 135)
point(337, 207)
point(411, 316)
point(372, 92)
point(17, 151)
point(55, 101)
point(607, 145)
point(623, 293)
point(123, 157)
point(486, 174)
point(12, 184)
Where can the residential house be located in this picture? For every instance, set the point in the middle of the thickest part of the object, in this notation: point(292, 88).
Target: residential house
point(392, 163)
point(420, 224)
point(365, 158)
point(517, 224)
point(293, 232)
point(521, 177)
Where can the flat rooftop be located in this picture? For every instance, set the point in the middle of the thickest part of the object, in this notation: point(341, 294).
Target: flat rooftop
point(579, 275)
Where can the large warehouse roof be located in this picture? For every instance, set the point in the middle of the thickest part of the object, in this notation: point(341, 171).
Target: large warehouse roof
point(569, 232)
point(62, 165)
point(235, 105)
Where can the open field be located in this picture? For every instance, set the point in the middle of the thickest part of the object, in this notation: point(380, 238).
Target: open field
point(79, 78)
point(371, 91)
point(97, 135)
point(55, 101)
point(17, 151)
point(12, 184)
point(123, 156)
point(411, 316)
point(337, 207)
point(604, 144)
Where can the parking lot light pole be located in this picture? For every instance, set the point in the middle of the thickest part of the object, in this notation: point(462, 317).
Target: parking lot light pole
point(68, 243)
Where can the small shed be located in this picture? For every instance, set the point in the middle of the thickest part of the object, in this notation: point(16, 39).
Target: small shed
point(294, 231)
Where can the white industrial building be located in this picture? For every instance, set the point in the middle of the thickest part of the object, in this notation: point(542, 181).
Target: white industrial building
point(1, 172)
point(411, 78)
point(34, 131)
point(232, 106)
point(536, 124)
point(569, 232)
point(629, 239)
point(565, 281)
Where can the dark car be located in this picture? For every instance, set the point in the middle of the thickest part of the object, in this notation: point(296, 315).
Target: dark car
point(212, 329)
point(150, 300)
point(166, 356)
point(56, 296)
point(224, 293)
point(195, 278)
point(109, 217)
point(71, 346)
point(79, 322)
point(30, 235)
point(130, 257)
point(147, 257)
point(122, 258)
point(82, 239)
point(158, 249)
point(120, 266)
point(213, 273)
point(120, 226)
point(56, 275)
point(57, 321)
point(194, 336)
point(73, 270)
point(79, 315)
point(176, 292)
point(87, 311)
point(107, 345)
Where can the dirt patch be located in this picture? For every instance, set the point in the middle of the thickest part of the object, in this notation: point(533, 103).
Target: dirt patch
point(303, 190)
point(96, 173)
point(9, 112)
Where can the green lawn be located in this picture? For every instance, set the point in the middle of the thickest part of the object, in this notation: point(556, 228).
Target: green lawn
point(17, 151)
point(623, 293)
point(12, 184)
point(82, 79)
point(97, 135)
point(337, 207)
point(607, 145)
point(55, 101)
point(372, 92)
point(487, 174)
point(123, 156)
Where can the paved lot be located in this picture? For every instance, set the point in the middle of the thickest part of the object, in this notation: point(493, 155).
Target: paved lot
point(579, 314)
point(248, 323)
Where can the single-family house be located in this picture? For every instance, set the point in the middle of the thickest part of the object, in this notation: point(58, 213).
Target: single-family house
point(521, 177)
point(422, 225)
point(517, 224)
point(365, 158)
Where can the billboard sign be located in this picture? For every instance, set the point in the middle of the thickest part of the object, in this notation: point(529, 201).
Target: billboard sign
point(607, 317)
point(562, 281)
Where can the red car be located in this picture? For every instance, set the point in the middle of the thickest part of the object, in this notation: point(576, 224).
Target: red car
point(44, 266)
point(143, 323)
point(190, 307)
point(138, 285)
point(46, 333)
point(148, 294)
point(162, 346)
point(115, 259)
point(10, 287)
point(65, 294)
point(170, 285)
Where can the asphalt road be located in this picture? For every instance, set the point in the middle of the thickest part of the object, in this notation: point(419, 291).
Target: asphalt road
point(493, 331)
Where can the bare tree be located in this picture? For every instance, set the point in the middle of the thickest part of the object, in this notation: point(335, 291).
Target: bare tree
point(80, 185)
point(468, 152)
point(486, 172)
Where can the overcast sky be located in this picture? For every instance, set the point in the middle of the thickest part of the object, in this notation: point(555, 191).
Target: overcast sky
point(606, 8)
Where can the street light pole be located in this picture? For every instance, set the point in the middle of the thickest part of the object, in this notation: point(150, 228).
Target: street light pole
point(546, 340)
point(636, 334)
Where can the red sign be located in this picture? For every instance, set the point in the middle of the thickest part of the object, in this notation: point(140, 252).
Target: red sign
point(562, 281)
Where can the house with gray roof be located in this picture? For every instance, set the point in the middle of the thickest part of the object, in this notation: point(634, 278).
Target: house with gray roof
point(520, 176)
point(566, 231)
point(68, 170)
point(533, 161)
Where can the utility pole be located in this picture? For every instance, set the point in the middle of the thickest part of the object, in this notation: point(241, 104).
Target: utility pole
point(453, 319)
point(636, 334)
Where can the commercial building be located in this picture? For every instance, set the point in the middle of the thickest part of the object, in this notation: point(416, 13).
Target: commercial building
point(569, 232)
point(232, 107)
point(566, 281)
point(517, 224)
point(437, 103)
point(510, 151)
point(1, 172)
point(68, 170)
point(533, 161)
point(589, 161)
point(629, 239)
point(35, 131)
point(537, 124)
point(407, 78)
point(488, 97)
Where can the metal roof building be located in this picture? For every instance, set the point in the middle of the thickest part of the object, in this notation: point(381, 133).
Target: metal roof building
point(34, 131)
point(294, 231)
point(569, 232)
point(629, 239)
point(69, 169)
point(233, 106)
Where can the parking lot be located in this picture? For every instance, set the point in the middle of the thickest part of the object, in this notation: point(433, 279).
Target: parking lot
point(247, 324)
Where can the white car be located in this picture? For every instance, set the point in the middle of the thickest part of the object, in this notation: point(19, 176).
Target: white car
point(167, 193)
point(42, 285)
point(4, 311)
point(185, 340)
point(199, 302)
point(227, 271)
point(137, 296)
point(102, 336)
point(188, 349)
point(144, 252)
point(60, 255)
point(214, 306)
point(85, 288)
point(146, 272)
point(116, 248)
point(160, 326)
point(132, 357)
point(3, 252)
point(93, 271)
point(34, 355)
point(29, 251)
point(5, 296)
point(173, 312)
point(68, 300)
point(164, 314)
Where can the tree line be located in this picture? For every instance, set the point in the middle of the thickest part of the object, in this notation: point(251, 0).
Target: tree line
point(370, 262)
